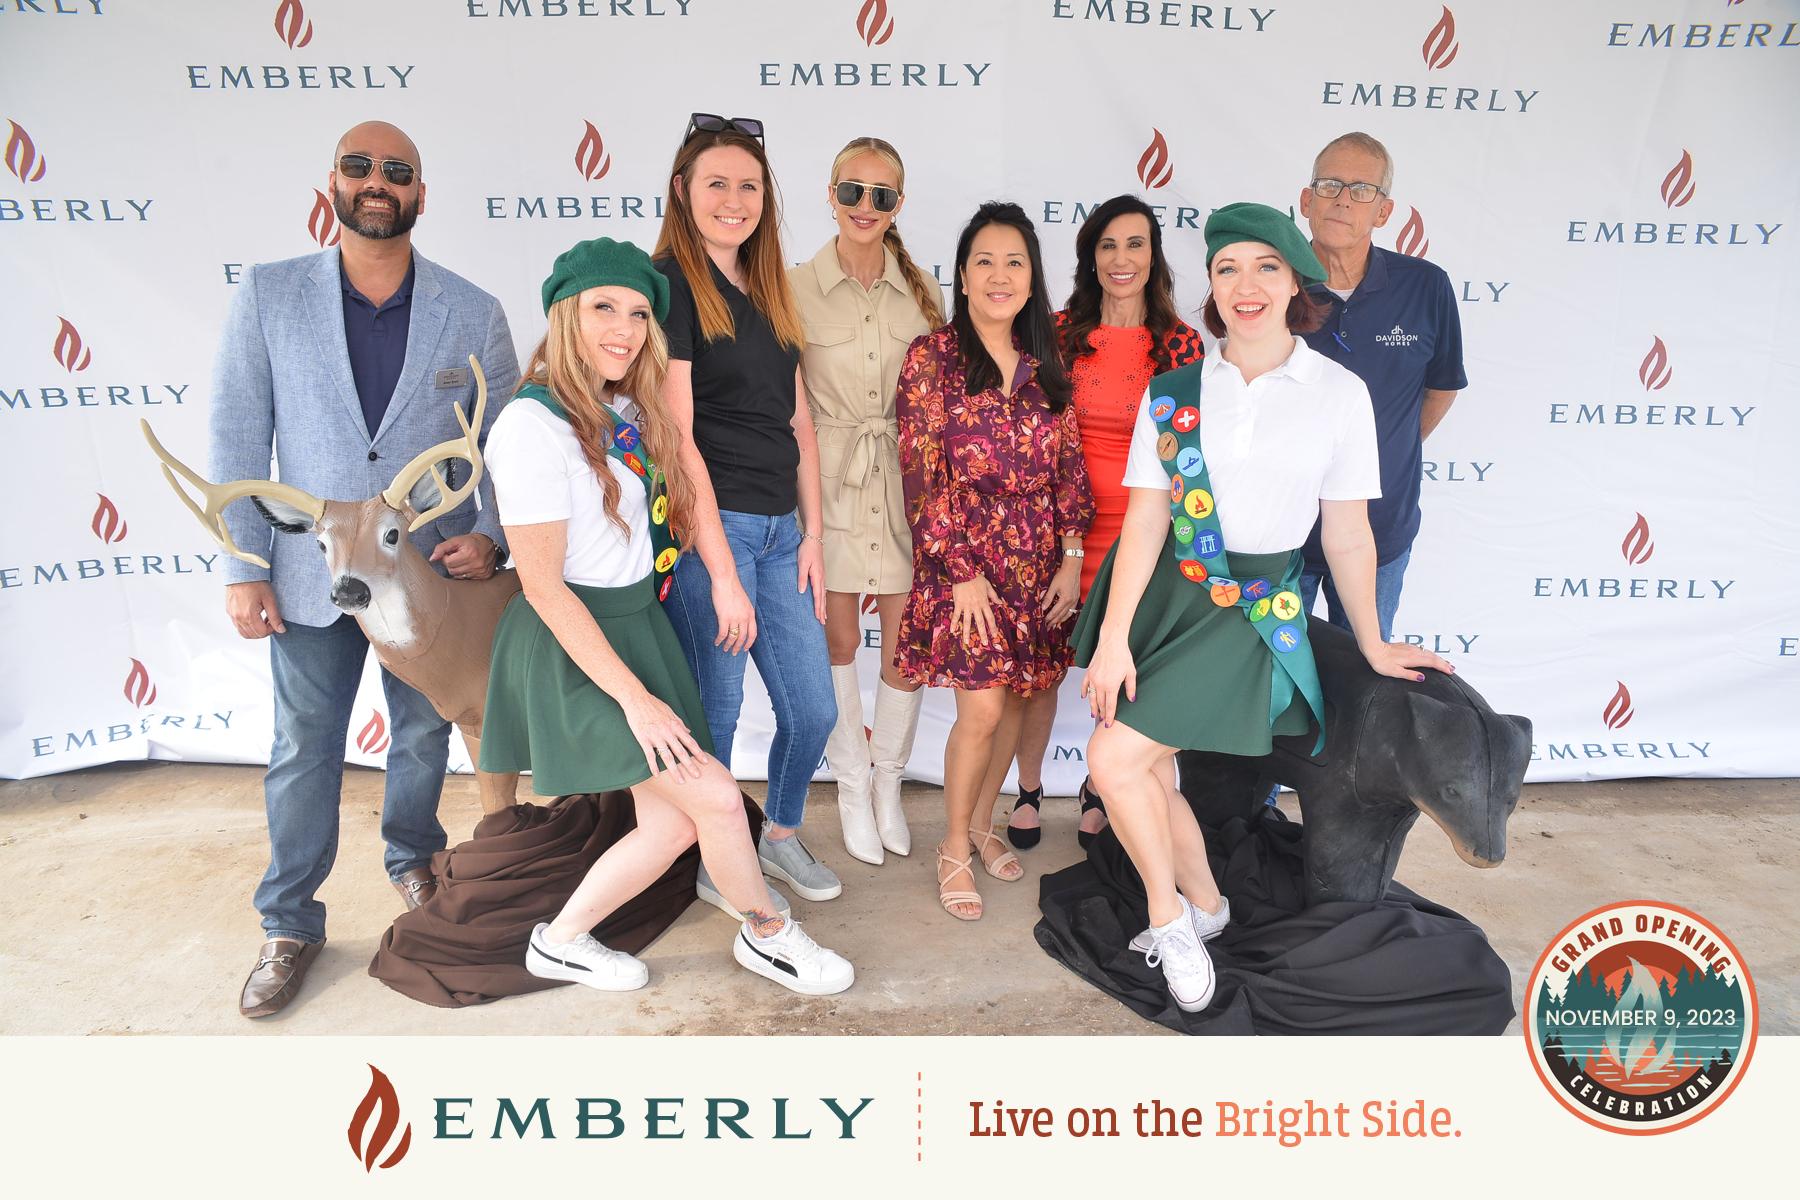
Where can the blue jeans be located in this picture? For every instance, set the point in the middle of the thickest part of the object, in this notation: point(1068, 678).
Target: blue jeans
point(316, 672)
point(1388, 578)
point(789, 651)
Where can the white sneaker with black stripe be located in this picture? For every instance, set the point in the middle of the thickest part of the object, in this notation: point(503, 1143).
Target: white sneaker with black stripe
point(794, 961)
point(585, 961)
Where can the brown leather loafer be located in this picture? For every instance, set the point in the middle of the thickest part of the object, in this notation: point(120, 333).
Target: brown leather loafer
point(276, 977)
point(416, 887)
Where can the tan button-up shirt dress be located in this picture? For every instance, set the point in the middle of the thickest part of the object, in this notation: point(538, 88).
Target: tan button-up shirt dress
point(855, 343)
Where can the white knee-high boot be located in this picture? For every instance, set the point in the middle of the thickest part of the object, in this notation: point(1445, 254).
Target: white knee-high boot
point(848, 750)
point(890, 745)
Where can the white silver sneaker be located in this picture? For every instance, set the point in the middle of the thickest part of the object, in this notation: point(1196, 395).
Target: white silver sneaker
point(794, 961)
point(1207, 926)
point(1186, 966)
point(584, 961)
point(703, 888)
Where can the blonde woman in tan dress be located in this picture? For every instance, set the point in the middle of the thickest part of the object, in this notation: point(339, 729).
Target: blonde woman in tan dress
point(863, 300)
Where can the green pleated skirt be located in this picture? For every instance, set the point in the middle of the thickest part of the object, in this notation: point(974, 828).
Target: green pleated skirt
point(1202, 672)
point(544, 714)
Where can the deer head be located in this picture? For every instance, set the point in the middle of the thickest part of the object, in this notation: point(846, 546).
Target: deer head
point(375, 573)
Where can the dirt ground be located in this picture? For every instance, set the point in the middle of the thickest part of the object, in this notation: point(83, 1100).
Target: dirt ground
point(127, 910)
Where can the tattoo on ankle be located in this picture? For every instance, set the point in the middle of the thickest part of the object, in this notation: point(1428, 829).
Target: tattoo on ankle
point(762, 924)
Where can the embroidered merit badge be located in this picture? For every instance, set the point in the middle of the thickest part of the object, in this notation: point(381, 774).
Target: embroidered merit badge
point(1189, 462)
point(1225, 592)
point(1286, 639)
point(1199, 503)
point(626, 435)
point(1160, 408)
point(1185, 419)
point(666, 559)
point(1166, 445)
point(1193, 570)
point(1285, 605)
point(1256, 589)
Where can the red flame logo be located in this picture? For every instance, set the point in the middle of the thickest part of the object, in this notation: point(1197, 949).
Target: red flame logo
point(868, 603)
point(1412, 241)
point(322, 223)
point(68, 348)
point(107, 525)
point(591, 158)
point(138, 688)
point(1618, 711)
point(1440, 44)
point(1678, 184)
point(1155, 168)
point(22, 157)
point(291, 25)
point(379, 1096)
point(1637, 546)
point(873, 24)
point(1654, 372)
point(374, 736)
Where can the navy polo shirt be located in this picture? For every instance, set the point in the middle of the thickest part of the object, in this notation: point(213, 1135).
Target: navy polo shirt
point(1400, 333)
point(376, 338)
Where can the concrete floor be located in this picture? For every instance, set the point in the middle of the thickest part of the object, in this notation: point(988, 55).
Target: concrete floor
point(127, 910)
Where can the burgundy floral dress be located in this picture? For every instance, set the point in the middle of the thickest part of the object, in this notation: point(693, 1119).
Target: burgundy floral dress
point(993, 483)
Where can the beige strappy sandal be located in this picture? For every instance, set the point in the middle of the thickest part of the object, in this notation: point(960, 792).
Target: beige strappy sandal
point(954, 897)
point(1000, 860)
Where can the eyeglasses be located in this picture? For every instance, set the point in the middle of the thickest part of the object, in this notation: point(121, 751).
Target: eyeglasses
point(713, 123)
point(1331, 189)
point(850, 194)
point(358, 166)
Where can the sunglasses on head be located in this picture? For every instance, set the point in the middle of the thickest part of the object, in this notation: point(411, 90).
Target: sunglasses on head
point(712, 123)
point(358, 166)
point(884, 198)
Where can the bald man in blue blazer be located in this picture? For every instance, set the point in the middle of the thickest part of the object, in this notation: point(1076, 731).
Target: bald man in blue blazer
point(340, 367)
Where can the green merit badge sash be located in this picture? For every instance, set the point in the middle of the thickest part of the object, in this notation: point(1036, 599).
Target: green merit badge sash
point(1271, 606)
point(624, 447)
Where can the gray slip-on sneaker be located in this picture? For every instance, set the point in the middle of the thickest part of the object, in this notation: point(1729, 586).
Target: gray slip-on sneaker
point(792, 863)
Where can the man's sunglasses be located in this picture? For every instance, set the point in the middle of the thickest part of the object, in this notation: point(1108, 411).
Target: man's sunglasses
point(358, 166)
point(712, 123)
point(850, 194)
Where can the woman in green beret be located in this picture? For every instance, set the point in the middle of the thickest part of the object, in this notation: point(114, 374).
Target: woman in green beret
point(1193, 636)
point(589, 689)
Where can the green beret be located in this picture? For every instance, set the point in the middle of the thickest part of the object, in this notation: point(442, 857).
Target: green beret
point(602, 262)
point(1245, 222)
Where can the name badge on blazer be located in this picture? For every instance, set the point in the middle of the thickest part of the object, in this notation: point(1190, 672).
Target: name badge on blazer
point(453, 377)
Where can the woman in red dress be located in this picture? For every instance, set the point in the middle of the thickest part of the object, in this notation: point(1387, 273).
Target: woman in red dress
point(1118, 330)
point(997, 499)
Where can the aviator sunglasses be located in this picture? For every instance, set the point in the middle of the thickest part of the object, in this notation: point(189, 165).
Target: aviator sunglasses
point(712, 123)
point(850, 194)
point(358, 166)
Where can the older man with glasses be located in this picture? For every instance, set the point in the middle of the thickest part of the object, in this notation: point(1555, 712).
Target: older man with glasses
point(1394, 322)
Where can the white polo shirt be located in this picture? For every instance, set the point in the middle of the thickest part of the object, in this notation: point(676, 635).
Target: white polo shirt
point(1301, 433)
point(540, 475)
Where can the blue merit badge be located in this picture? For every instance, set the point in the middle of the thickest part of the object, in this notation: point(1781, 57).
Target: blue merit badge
point(1160, 408)
point(1285, 639)
point(1256, 589)
point(1188, 462)
point(626, 435)
point(1206, 544)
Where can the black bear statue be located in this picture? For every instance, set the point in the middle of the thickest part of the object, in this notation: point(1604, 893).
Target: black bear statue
point(1393, 749)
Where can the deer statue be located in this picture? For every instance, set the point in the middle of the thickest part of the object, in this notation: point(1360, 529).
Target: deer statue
point(434, 633)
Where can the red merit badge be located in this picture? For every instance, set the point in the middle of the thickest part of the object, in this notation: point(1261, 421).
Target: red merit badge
point(1193, 570)
point(662, 593)
point(635, 463)
point(1225, 592)
point(1185, 419)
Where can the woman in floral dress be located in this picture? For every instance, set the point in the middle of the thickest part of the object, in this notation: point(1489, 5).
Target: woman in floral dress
point(998, 502)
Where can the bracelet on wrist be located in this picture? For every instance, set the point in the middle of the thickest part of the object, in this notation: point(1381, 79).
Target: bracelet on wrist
point(1074, 552)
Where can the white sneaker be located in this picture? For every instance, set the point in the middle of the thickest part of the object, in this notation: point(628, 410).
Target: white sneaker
point(1186, 966)
point(794, 961)
point(1207, 926)
point(703, 888)
point(584, 960)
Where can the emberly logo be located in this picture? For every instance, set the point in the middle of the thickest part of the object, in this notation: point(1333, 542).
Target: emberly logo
point(576, 8)
point(73, 355)
point(295, 31)
point(1412, 241)
point(1396, 337)
point(1654, 373)
point(1618, 711)
point(373, 738)
point(593, 162)
point(28, 165)
point(110, 528)
point(1732, 35)
point(108, 525)
point(138, 688)
point(68, 349)
point(1155, 168)
point(873, 28)
point(591, 158)
point(1676, 190)
point(140, 692)
point(382, 1103)
point(1636, 548)
point(322, 222)
point(1438, 50)
point(1227, 18)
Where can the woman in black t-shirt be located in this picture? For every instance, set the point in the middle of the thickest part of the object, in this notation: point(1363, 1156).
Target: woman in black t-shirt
point(756, 579)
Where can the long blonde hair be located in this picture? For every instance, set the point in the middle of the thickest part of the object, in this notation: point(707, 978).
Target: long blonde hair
point(765, 267)
point(559, 365)
point(926, 293)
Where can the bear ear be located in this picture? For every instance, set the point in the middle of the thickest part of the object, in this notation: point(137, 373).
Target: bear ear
point(1431, 718)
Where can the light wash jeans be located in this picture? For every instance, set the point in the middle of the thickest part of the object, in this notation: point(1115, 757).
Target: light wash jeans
point(1388, 578)
point(316, 672)
point(789, 652)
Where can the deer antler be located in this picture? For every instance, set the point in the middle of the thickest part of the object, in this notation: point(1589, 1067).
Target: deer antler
point(465, 447)
point(218, 495)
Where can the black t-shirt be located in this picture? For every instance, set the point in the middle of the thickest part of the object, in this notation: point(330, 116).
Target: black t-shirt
point(743, 399)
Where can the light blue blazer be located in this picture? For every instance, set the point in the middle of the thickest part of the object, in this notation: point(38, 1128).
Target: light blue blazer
point(282, 389)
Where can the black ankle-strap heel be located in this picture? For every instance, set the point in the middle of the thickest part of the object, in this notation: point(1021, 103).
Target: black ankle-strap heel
point(1025, 839)
point(1089, 802)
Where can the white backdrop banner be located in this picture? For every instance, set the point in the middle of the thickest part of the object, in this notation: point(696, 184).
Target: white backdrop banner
point(1611, 509)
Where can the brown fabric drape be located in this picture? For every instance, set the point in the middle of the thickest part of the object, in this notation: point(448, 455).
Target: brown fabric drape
point(466, 945)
